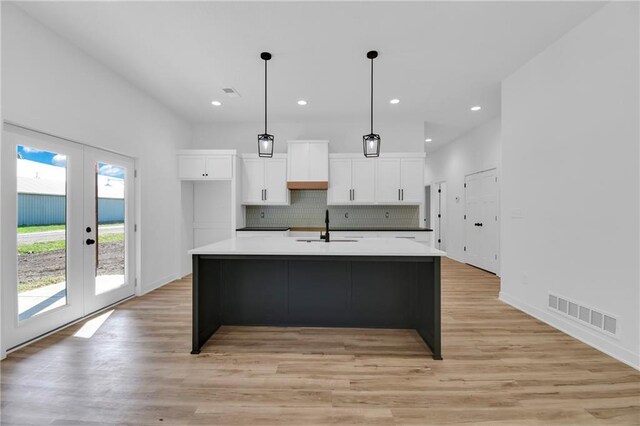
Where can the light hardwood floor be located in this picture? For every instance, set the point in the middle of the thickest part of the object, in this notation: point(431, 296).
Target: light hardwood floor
point(501, 367)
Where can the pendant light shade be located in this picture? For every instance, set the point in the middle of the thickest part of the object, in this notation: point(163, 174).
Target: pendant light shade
point(265, 140)
point(371, 142)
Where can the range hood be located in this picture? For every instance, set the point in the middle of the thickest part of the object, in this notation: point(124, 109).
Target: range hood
point(308, 164)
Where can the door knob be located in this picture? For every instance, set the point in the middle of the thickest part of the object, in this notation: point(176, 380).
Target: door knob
point(90, 241)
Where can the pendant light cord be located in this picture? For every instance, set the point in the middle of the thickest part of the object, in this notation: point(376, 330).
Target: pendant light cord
point(371, 95)
point(265, 96)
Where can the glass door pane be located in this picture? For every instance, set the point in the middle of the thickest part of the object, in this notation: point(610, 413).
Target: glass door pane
point(41, 178)
point(110, 222)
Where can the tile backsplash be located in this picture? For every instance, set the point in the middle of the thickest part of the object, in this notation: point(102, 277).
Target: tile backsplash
point(307, 210)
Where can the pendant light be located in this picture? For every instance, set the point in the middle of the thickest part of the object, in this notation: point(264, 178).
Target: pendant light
point(371, 142)
point(265, 140)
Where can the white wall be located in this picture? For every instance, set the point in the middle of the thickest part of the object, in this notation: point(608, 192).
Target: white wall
point(570, 158)
point(51, 86)
point(472, 152)
point(343, 137)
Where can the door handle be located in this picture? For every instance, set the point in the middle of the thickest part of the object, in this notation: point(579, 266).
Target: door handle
point(90, 241)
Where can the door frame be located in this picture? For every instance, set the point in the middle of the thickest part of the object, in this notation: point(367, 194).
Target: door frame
point(8, 218)
point(498, 214)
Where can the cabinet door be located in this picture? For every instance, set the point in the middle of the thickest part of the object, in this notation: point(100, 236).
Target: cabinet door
point(363, 177)
point(339, 191)
point(298, 162)
point(318, 162)
point(412, 180)
point(252, 180)
point(275, 181)
point(219, 167)
point(191, 167)
point(388, 180)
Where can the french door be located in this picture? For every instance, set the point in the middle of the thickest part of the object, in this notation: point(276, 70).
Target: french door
point(481, 225)
point(67, 232)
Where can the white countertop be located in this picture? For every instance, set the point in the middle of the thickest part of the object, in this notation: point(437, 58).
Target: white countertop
point(292, 247)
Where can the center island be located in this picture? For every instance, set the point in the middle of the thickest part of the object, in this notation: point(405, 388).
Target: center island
point(372, 282)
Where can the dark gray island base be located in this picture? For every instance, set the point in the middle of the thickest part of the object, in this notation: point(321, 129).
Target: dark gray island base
point(317, 291)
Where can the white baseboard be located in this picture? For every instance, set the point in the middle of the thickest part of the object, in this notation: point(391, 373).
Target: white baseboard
point(588, 337)
point(158, 283)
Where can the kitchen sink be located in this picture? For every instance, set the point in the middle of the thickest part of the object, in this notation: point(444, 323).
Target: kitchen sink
point(332, 241)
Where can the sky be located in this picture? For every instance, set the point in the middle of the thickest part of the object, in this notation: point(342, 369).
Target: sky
point(59, 160)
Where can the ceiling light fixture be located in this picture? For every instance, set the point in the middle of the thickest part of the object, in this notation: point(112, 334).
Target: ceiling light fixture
point(476, 108)
point(265, 140)
point(371, 142)
point(428, 140)
point(216, 103)
point(302, 102)
point(394, 101)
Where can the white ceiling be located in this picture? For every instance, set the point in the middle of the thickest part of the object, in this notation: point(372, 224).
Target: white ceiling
point(438, 58)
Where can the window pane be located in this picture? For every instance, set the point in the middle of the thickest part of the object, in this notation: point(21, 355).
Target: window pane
point(110, 210)
point(42, 216)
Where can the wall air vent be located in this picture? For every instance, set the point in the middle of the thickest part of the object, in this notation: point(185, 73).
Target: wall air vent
point(576, 311)
point(231, 92)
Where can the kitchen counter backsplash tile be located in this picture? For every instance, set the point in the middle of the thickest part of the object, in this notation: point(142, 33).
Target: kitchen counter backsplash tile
point(307, 210)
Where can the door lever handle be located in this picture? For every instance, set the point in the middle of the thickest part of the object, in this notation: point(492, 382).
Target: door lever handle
point(90, 241)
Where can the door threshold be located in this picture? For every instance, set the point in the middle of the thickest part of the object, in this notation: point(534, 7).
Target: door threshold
point(69, 324)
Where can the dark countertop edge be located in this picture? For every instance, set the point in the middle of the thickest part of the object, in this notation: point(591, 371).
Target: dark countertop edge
point(345, 229)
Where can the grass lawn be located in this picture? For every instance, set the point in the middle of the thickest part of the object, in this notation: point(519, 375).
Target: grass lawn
point(43, 282)
point(44, 228)
point(45, 246)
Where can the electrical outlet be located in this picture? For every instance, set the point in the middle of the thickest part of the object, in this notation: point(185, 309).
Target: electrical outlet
point(386, 215)
point(261, 215)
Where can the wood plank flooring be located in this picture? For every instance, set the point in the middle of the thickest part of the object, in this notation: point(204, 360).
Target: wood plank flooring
point(501, 367)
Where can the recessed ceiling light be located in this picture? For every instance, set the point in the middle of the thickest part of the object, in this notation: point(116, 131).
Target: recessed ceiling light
point(302, 102)
point(428, 140)
point(476, 108)
point(394, 101)
point(216, 103)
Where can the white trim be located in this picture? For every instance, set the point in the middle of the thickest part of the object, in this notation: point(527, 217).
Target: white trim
point(255, 156)
point(586, 336)
point(207, 152)
point(359, 155)
point(159, 283)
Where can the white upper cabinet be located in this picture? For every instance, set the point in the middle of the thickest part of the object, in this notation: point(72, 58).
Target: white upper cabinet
point(363, 179)
point(308, 161)
point(388, 180)
point(264, 181)
point(400, 180)
point(205, 164)
point(340, 188)
point(351, 181)
point(412, 180)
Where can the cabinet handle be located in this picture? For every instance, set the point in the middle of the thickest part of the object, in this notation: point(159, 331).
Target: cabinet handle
point(402, 194)
point(265, 195)
point(353, 197)
point(399, 195)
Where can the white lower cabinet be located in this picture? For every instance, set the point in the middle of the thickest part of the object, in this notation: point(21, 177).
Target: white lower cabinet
point(264, 181)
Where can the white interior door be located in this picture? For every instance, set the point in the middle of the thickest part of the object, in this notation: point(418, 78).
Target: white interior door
point(53, 192)
point(481, 230)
